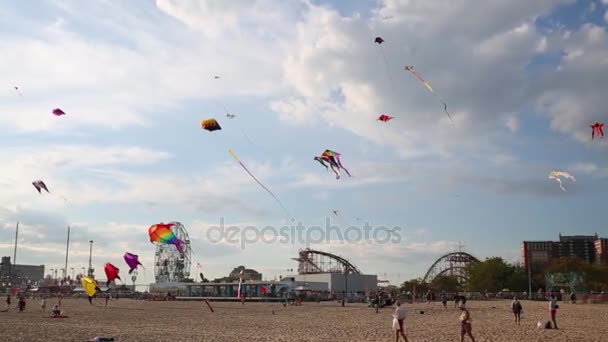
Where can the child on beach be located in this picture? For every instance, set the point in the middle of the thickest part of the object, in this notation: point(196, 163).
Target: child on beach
point(465, 324)
point(553, 310)
point(56, 311)
point(398, 319)
point(43, 304)
point(517, 309)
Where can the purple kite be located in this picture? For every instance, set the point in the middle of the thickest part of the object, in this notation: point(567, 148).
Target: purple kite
point(58, 112)
point(132, 261)
point(39, 185)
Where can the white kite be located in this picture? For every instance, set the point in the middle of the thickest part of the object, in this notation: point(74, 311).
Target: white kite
point(556, 174)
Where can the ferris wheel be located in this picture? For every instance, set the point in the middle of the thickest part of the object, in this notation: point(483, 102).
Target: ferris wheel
point(170, 265)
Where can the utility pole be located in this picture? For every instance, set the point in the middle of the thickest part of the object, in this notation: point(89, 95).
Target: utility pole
point(16, 236)
point(90, 258)
point(67, 249)
point(529, 264)
point(12, 266)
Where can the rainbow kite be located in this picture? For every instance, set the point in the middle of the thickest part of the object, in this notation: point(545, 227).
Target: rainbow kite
point(161, 233)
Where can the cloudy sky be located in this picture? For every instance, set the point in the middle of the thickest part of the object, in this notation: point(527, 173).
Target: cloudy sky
point(523, 81)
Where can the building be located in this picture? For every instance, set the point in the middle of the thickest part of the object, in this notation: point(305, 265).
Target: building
point(580, 246)
point(538, 252)
point(341, 282)
point(19, 275)
point(601, 251)
point(585, 247)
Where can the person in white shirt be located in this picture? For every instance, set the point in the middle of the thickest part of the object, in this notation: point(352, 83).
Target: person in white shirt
point(398, 319)
point(553, 310)
point(517, 309)
point(43, 304)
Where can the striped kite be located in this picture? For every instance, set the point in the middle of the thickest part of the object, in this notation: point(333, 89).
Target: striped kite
point(161, 233)
point(210, 125)
point(333, 159)
point(426, 84)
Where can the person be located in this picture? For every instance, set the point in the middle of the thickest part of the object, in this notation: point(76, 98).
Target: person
point(466, 328)
point(43, 304)
point(21, 303)
point(56, 311)
point(60, 298)
point(399, 315)
point(444, 300)
point(573, 298)
point(553, 310)
point(517, 309)
point(8, 302)
point(107, 298)
point(456, 300)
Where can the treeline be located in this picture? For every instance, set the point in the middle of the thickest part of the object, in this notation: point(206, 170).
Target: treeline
point(495, 274)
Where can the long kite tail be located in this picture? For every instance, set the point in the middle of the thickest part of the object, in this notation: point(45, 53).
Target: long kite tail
point(260, 183)
point(445, 108)
point(342, 166)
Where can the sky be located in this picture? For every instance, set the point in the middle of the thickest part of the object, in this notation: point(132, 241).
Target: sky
point(523, 81)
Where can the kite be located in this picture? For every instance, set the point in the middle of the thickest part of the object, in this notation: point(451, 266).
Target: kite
point(210, 125)
point(17, 90)
point(333, 158)
point(335, 212)
point(132, 261)
point(90, 287)
point(230, 116)
point(216, 77)
point(39, 185)
point(162, 233)
point(556, 174)
point(58, 112)
point(385, 118)
point(426, 84)
point(379, 40)
point(260, 183)
point(597, 128)
point(111, 273)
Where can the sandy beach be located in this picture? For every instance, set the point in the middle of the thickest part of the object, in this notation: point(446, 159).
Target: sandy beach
point(129, 320)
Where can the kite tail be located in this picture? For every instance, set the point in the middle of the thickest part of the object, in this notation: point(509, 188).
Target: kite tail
point(445, 108)
point(131, 270)
point(342, 167)
point(334, 170)
point(117, 277)
point(260, 183)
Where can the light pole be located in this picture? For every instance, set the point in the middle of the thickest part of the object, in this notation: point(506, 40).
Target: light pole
point(529, 276)
point(90, 258)
point(51, 270)
point(55, 274)
point(72, 268)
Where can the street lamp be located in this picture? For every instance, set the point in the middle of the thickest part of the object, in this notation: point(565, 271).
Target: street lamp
point(90, 258)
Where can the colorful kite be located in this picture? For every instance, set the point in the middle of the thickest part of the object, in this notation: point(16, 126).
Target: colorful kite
point(597, 128)
point(385, 118)
point(333, 158)
point(555, 174)
point(260, 183)
point(58, 112)
point(39, 185)
point(161, 233)
point(111, 273)
point(90, 287)
point(210, 125)
point(132, 261)
point(426, 84)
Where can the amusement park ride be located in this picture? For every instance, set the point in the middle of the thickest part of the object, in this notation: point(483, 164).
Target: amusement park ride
point(171, 266)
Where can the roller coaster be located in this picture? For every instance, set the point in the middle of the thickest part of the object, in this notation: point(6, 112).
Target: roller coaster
point(314, 262)
point(451, 264)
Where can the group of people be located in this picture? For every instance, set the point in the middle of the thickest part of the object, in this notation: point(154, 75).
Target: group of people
point(55, 311)
point(466, 328)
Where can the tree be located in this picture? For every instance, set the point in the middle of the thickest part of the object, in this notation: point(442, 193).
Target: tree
point(446, 283)
point(492, 275)
point(415, 286)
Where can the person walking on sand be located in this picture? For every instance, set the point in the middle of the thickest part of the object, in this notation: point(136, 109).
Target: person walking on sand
point(517, 309)
point(444, 300)
point(398, 322)
point(43, 304)
point(8, 302)
point(107, 298)
point(553, 310)
point(466, 327)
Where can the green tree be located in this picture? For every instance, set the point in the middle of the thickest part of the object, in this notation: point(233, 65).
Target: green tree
point(492, 275)
point(415, 286)
point(445, 283)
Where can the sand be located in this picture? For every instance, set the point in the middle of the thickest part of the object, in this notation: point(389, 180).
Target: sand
point(130, 320)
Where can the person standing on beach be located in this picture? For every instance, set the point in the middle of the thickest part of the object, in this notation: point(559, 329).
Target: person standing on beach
point(466, 328)
point(553, 310)
point(399, 315)
point(444, 300)
point(517, 309)
point(8, 302)
point(43, 304)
